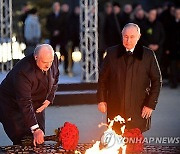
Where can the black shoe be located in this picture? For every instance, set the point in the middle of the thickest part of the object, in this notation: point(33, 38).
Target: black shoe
point(66, 72)
point(174, 86)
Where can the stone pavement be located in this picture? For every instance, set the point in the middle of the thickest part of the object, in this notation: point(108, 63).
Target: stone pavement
point(165, 119)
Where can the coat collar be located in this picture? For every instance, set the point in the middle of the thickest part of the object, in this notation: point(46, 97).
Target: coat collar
point(40, 76)
point(137, 53)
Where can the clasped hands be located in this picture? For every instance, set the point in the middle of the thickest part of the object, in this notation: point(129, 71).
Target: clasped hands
point(154, 47)
point(146, 111)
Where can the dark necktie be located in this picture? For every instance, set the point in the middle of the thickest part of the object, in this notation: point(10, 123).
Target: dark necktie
point(127, 55)
point(45, 72)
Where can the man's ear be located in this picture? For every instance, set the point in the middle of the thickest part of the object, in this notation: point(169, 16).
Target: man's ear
point(35, 57)
point(139, 36)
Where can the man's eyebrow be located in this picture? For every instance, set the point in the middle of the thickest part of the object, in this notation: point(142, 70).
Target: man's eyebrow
point(129, 35)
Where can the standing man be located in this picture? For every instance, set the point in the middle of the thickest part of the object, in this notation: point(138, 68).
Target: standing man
point(112, 26)
point(153, 34)
point(129, 81)
point(32, 31)
point(54, 25)
point(26, 91)
point(57, 27)
point(173, 49)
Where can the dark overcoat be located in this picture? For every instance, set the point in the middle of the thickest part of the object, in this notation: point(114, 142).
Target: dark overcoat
point(127, 87)
point(24, 90)
point(60, 23)
point(153, 33)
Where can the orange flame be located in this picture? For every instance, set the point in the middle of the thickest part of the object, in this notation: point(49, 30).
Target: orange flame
point(110, 141)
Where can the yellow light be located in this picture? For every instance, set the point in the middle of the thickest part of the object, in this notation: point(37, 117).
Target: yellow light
point(58, 54)
point(5, 53)
point(22, 46)
point(76, 55)
point(104, 55)
point(13, 39)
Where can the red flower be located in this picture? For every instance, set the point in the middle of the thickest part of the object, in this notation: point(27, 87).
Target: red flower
point(69, 136)
point(137, 130)
point(138, 147)
point(130, 148)
point(136, 136)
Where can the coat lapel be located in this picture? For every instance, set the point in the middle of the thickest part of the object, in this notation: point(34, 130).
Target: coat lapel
point(138, 51)
point(137, 55)
point(121, 59)
point(51, 80)
point(42, 79)
point(46, 81)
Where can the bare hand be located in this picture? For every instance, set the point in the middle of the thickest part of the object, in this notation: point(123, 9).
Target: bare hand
point(38, 137)
point(154, 47)
point(151, 46)
point(56, 32)
point(102, 106)
point(167, 52)
point(45, 105)
point(146, 112)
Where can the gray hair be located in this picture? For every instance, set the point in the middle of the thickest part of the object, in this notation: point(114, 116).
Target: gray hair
point(132, 25)
point(38, 48)
point(55, 4)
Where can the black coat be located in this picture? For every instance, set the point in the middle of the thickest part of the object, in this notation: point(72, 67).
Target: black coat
point(112, 29)
point(24, 90)
point(173, 44)
point(127, 88)
point(153, 33)
point(57, 23)
point(74, 29)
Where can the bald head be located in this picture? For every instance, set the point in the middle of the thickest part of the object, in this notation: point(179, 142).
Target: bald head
point(131, 35)
point(132, 26)
point(44, 56)
point(42, 49)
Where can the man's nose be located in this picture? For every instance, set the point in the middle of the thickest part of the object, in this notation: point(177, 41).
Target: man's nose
point(48, 65)
point(128, 39)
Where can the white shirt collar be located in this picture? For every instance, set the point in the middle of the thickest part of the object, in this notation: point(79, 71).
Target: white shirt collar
point(130, 50)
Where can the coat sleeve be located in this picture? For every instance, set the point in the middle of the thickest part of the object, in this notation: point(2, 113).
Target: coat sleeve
point(49, 23)
point(55, 84)
point(102, 90)
point(23, 97)
point(156, 82)
point(162, 35)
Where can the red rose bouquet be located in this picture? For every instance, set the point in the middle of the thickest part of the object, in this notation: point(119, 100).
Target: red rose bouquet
point(134, 140)
point(69, 136)
point(66, 136)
